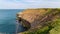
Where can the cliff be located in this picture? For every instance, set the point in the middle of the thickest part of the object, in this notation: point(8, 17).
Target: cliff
point(35, 19)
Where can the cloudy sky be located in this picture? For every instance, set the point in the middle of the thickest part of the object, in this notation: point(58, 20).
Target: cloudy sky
point(24, 4)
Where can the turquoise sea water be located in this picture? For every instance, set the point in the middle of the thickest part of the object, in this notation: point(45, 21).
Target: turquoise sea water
point(8, 21)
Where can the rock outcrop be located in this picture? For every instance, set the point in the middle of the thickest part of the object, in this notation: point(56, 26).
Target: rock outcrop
point(31, 15)
point(36, 18)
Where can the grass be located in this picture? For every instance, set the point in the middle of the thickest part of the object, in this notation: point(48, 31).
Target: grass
point(39, 31)
point(56, 29)
point(53, 27)
point(48, 29)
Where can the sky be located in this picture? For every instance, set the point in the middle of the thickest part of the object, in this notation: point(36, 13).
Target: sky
point(25, 4)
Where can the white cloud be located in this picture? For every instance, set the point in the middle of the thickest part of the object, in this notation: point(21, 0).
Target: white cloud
point(23, 4)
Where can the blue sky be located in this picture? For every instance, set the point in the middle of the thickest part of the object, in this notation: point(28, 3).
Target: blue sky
point(24, 4)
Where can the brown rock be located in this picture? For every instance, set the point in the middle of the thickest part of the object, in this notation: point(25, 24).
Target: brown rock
point(31, 15)
point(35, 18)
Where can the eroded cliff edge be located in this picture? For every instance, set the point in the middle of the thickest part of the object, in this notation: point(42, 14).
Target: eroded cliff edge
point(35, 19)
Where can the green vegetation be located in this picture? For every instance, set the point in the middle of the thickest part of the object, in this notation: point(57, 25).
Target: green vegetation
point(40, 31)
point(53, 26)
point(53, 29)
point(56, 29)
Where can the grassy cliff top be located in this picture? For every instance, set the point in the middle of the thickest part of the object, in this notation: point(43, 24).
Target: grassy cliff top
point(31, 14)
point(49, 18)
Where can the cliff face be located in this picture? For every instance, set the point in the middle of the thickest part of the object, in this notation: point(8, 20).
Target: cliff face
point(31, 15)
point(35, 19)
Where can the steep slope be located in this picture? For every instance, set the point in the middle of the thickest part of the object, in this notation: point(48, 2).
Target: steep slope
point(38, 19)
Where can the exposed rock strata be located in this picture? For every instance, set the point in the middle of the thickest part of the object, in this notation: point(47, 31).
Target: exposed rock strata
point(36, 18)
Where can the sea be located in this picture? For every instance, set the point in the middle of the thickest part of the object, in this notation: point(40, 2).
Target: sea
point(8, 24)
